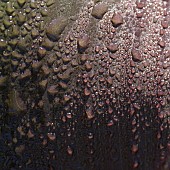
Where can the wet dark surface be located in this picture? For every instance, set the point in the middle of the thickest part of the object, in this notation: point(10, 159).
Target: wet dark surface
point(84, 85)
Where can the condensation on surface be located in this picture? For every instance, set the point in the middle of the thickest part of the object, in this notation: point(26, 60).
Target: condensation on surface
point(84, 84)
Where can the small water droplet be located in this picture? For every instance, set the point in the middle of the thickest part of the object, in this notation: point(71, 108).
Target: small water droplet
point(158, 135)
point(89, 113)
point(90, 135)
point(64, 119)
point(134, 148)
point(51, 136)
point(69, 115)
point(110, 110)
point(135, 165)
point(69, 150)
point(110, 123)
point(134, 122)
point(30, 134)
point(69, 134)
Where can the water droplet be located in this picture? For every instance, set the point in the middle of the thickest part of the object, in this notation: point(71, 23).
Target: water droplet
point(134, 148)
point(69, 134)
point(110, 110)
point(134, 122)
point(89, 113)
point(90, 135)
point(135, 165)
point(30, 134)
point(69, 115)
point(64, 119)
point(110, 123)
point(69, 150)
point(51, 136)
point(86, 91)
point(158, 135)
